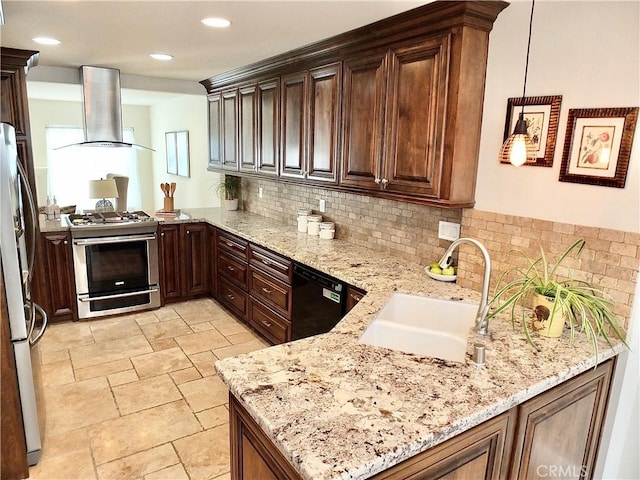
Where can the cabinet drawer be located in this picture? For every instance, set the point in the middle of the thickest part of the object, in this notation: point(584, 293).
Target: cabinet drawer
point(232, 244)
point(271, 325)
point(270, 291)
point(279, 267)
point(233, 269)
point(232, 297)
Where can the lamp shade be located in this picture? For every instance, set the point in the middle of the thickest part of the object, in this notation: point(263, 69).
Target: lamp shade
point(103, 188)
point(518, 149)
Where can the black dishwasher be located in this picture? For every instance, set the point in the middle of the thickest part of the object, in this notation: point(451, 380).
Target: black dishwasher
point(319, 302)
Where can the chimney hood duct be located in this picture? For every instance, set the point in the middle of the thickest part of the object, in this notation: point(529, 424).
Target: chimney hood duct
point(102, 109)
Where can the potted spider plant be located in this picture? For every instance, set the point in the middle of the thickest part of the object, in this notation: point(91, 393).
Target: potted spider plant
point(228, 189)
point(537, 291)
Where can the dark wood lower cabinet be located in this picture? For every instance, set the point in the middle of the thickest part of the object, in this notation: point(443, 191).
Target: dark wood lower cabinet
point(553, 435)
point(58, 276)
point(184, 261)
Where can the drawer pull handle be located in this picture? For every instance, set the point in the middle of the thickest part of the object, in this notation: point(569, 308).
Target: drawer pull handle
point(266, 262)
point(266, 290)
point(230, 297)
point(266, 324)
point(357, 298)
point(229, 244)
point(230, 268)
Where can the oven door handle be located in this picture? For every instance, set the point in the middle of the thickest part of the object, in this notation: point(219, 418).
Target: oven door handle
point(123, 239)
point(84, 297)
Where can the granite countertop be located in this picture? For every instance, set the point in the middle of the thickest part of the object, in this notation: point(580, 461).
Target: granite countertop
point(338, 409)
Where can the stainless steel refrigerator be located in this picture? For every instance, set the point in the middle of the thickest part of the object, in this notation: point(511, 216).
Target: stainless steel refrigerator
point(27, 320)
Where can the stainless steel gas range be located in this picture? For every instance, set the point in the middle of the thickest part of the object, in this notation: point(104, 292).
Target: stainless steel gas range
point(115, 259)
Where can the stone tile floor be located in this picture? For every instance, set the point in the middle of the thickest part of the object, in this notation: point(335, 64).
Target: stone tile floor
point(137, 396)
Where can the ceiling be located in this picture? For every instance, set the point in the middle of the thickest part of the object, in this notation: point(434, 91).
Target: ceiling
point(122, 34)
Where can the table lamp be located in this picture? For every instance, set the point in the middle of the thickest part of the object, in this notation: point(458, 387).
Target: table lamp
point(103, 189)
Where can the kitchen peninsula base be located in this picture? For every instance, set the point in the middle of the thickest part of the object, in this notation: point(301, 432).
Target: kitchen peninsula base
point(558, 430)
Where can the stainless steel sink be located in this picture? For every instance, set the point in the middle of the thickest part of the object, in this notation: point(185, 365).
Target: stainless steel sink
point(423, 326)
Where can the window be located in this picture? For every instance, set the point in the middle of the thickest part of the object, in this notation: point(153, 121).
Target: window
point(70, 169)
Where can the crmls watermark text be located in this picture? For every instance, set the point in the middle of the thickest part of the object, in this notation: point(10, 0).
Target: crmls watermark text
point(561, 471)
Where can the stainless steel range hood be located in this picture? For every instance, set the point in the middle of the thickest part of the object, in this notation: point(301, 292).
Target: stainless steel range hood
point(102, 109)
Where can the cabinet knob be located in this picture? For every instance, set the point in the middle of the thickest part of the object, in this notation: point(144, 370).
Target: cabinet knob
point(229, 244)
point(384, 182)
point(162, 234)
point(377, 180)
point(188, 232)
point(357, 298)
point(230, 297)
point(66, 242)
point(266, 290)
point(230, 268)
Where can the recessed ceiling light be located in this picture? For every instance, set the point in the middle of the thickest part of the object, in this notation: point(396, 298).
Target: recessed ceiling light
point(161, 56)
point(216, 22)
point(46, 41)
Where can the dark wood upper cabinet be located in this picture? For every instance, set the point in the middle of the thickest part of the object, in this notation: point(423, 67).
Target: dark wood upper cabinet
point(247, 131)
point(215, 131)
point(392, 109)
point(294, 93)
point(363, 104)
point(324, 115)
point(416, 110)
point(230, 130)
point(268, 126)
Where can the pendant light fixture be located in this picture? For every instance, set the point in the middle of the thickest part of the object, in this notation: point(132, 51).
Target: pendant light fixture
point(518, 149)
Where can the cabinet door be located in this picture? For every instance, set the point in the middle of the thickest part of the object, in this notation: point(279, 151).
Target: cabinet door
point(194, 258)
point(215, 131)
point(416, 108)
point(60, 277)
point(268, 126)
point(253, 455)
point(248, 129)
point(294, 89)
point(230, 130)
point(168, 254)
point(363, 114)
point(479, 453)
point(559, 431)
point(324, 113)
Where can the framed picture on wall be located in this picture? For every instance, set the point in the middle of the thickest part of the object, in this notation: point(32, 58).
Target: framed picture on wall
point(542, 115)
point(177, 145)
point(597, 146)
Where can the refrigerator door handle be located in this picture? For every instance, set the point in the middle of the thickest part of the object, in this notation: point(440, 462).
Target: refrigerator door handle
point(45, 322)
point(34, 219)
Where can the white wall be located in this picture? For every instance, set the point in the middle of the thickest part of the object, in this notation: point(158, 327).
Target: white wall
point(188, 112)
point(589, 53)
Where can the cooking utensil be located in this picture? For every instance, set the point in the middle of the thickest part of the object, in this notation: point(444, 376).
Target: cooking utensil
point(164, 190)
point(173, 189)
point(167, 189)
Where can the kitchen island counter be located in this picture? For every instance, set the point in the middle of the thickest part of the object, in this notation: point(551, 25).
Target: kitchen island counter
point(336, 408)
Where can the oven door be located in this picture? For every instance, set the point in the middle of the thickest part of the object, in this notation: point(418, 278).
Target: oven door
point(116, 274)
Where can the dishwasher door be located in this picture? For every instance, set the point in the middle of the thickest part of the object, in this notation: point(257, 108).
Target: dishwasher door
point(319, 302)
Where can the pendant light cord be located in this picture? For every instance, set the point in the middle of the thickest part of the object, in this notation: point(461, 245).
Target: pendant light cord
point(526, 66)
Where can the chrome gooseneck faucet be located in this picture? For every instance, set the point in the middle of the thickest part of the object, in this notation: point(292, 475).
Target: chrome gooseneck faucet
point(483, 309)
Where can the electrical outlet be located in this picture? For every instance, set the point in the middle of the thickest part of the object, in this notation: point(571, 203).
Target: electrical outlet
point(259, 192)
point(448, 230)
point(323, 205)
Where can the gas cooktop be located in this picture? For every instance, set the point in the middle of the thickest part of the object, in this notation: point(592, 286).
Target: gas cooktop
point(107, 218)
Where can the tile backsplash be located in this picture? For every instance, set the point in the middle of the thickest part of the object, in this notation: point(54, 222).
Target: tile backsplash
point(610, 259)
point(406, 230)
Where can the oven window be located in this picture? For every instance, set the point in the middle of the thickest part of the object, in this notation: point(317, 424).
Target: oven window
point(117, 267)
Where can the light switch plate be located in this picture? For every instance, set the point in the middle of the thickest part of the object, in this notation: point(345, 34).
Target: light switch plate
point(448, 230)
point(323, 205)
